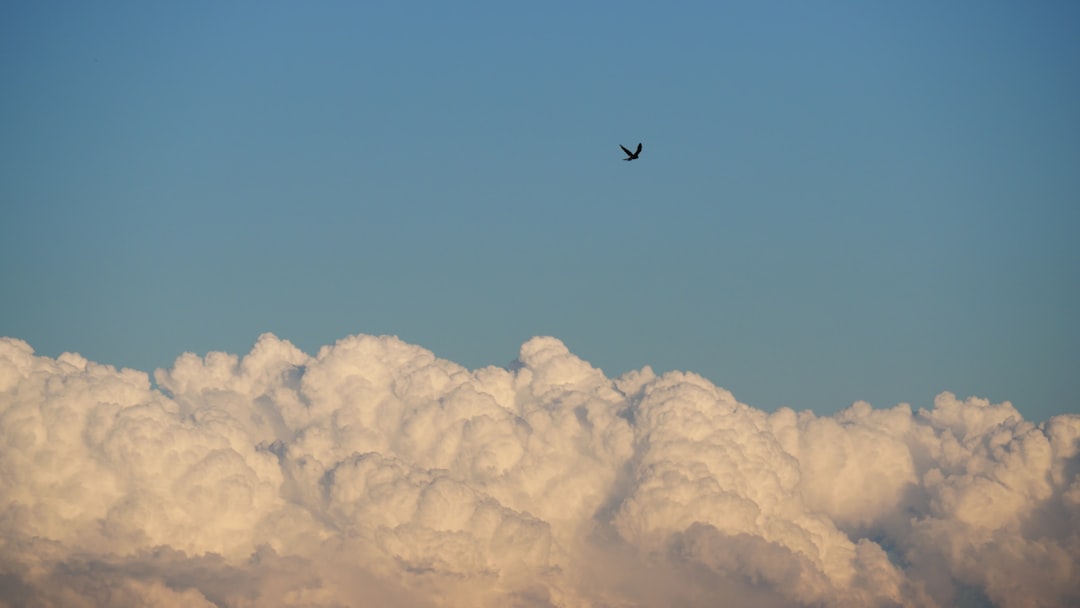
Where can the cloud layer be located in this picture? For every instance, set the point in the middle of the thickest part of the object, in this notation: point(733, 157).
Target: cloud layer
point(377, 474)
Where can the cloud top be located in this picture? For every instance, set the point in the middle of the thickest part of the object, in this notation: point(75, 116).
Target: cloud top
point(376, 473)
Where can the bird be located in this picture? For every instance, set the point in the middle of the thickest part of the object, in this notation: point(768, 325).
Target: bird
point(631, 155)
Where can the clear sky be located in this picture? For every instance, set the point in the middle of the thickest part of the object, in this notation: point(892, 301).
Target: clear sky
point(874, 201)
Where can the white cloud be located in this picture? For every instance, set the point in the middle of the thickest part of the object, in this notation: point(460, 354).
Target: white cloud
point(376, 473)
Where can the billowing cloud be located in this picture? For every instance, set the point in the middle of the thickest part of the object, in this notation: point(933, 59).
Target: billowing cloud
point(375, 473)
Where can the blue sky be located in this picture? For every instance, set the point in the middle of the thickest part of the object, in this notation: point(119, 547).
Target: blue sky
point(834, 202)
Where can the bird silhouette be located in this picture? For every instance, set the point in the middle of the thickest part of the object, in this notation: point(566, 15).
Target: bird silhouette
point(631, 155)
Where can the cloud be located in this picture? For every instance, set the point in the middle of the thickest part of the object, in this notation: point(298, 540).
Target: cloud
point(375, 473)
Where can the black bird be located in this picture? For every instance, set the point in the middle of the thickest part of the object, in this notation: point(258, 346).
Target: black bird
point(631, 155)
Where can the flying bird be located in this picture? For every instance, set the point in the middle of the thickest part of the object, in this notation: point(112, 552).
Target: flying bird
point(631, 155)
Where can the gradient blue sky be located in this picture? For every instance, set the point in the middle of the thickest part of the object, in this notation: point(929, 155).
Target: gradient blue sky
point(836, 201)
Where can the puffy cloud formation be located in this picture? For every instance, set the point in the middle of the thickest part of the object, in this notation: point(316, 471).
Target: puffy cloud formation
point(376, 474)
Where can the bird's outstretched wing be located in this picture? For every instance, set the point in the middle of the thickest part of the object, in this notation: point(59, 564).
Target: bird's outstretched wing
point(638, 149)
point(628, 152)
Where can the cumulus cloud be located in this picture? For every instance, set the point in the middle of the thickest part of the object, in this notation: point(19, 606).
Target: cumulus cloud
point(375, 473)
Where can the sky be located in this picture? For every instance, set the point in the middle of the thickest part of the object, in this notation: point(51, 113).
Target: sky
point(337, 303)
point(833, 204)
